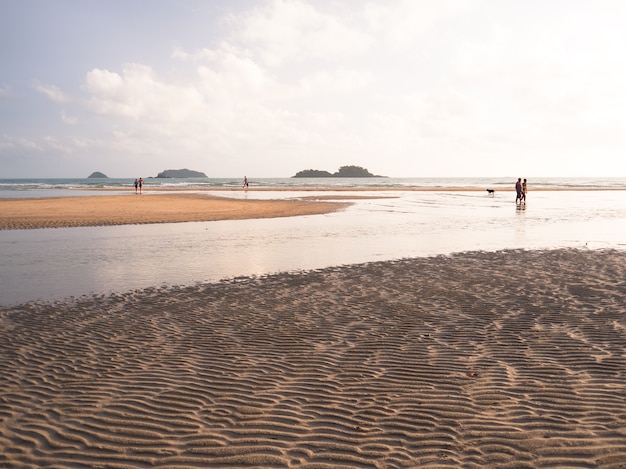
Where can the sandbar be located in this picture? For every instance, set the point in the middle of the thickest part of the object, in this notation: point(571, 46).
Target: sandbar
point(100, 210)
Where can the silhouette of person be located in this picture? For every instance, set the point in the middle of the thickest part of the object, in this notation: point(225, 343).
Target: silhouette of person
point(518, 189)
point(140, 184)
point(245, 181)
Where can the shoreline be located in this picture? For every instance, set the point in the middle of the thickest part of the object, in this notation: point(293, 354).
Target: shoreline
point(348, 189)
point(177, 205)
point(464, 360)
point(123, 209)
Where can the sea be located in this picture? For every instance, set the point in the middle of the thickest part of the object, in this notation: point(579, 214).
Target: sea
point(49, 265)
point(58, 187)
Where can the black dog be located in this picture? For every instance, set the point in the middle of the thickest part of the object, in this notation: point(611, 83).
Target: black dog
point(491, 191)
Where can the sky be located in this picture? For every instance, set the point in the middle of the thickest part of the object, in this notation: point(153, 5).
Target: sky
point(266, 88)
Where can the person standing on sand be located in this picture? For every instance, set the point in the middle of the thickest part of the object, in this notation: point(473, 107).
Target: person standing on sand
point(518, 189)
point(245, 181)
point(524, 188)
point(136, 185)
point(140, 184)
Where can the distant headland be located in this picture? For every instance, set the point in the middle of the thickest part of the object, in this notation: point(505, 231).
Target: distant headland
point(98, 175)
point(344, 172)
point(181, 173)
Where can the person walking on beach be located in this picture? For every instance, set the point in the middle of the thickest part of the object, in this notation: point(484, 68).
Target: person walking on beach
point(136, 184)
point(140, 182)
point(524, 188)
point(245, 181)
point(518, 189)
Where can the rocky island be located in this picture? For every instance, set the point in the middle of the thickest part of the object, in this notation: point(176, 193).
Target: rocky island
point(344, 172)
point(98, 175)
point(181, 173)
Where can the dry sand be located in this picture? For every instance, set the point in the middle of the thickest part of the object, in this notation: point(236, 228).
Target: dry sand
point(57, 212)
point(478, 360)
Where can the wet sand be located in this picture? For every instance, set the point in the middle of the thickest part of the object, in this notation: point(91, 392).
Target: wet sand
point(59, 212)
point(174, 205)
point(362, 189)
point(477, 360)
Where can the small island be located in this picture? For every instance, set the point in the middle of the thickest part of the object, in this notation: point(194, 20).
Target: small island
point(181, 173)
point(98, 175)
point(344, 172)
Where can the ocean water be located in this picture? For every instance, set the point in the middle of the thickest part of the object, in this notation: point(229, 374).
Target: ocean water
point(58, 187)
point(53, 264)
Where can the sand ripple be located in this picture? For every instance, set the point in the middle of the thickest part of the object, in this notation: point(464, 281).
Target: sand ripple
point(510, 359)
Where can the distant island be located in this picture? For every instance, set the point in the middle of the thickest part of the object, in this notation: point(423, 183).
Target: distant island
point(98, 175)
point(344, 172)
point(181, 173)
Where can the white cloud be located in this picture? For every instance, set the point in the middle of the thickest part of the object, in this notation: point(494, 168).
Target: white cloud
point(235, 78)
point(400, 24)
point(52, 92)
point(57, 144)
point(294, 30)
point(201, 55)
point(137, 93)
point(14, 143)
point(70, 120)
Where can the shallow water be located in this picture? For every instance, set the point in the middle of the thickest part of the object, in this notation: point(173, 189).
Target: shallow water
point(50, 264)
point(58, 187)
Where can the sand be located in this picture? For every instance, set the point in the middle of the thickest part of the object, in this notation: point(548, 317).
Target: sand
point(363, 189)
point(172, 205)
point(60, 212)
point(477, 360)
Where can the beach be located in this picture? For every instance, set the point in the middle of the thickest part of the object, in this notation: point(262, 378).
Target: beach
point(307, 234)
point(99, 210)
point(333, 228)
point(484, 359)
point(262, 338)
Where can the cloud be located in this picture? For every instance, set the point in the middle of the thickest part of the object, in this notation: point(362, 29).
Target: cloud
point(52, 92)
point(201, 55)
point(235, 78)
point(137, 93)
point(415, 87)
point(294, 30)
point(68, 119)
point(15, 143)
point(233, 103)
point(400, 24)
